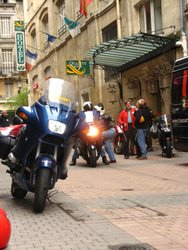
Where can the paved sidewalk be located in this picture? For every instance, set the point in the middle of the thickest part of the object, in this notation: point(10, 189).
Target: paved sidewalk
point(137, 203)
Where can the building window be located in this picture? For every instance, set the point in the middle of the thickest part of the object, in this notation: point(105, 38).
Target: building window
point(47, 73)
point(35, 83)
point(9, 89)
point(34, 39)
point(150, 17)
point(109, 32)
point(61, 9)
point(7, 61)
point(5, 29)
point(45, 26)
point(62, 12)
point(3, 1)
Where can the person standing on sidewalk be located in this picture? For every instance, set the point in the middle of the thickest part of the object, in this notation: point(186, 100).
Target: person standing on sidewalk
point(4, 121)
point(143, 118)
point(127, 119)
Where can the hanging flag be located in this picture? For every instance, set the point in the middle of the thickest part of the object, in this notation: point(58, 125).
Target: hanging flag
point(30, 60)
point(51, 38)
point(73, 27)
point(83, 6)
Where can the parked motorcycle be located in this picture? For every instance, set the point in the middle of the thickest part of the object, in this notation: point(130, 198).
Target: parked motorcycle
point(162, 131)
point(89, 144)
point(119, 139)
point(49, 133)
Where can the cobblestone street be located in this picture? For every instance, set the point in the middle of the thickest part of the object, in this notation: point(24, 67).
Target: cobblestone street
point(107, 207)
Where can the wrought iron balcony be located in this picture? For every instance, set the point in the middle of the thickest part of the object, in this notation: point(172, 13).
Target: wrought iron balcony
point(8, 72)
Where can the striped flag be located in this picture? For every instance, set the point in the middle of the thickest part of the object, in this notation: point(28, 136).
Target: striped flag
point(83, 6)
point(73, 27)
point(30, 60)
point(51, 38)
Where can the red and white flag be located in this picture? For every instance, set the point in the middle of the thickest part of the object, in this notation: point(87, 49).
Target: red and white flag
point(30, 60)
point(83, 6)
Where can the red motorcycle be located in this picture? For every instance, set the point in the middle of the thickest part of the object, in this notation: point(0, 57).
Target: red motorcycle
point(8, 137)
point(119, 139)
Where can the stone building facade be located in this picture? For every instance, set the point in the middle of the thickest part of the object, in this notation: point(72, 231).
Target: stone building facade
point(11, 80)
point(144, 75)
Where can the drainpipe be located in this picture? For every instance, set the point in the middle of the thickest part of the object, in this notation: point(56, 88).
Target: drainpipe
point(119, 34)
point(118, 19)
point(183, 35)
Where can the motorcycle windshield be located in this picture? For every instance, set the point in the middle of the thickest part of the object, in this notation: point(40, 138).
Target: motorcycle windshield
point(89, 116)
point(58, 91)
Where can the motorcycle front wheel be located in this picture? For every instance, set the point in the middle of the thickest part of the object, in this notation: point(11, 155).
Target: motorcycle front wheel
point(41, 189)
point(92, 158)
point(168, 149)
point(119, 144)
point(17, 192)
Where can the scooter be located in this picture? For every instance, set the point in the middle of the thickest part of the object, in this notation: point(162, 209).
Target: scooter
point(119, 139)
point(51, 124)
point(89, 144)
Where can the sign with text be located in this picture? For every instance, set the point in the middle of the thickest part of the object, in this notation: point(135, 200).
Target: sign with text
point(20, 45)
point(78, 67)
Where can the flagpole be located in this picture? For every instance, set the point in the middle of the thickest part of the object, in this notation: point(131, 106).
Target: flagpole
point(34, 48)
point(98, 28)
point(76, 55)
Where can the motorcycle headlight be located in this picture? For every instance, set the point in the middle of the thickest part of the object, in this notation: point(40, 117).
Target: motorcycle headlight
point(93, 131)
point(56, 127)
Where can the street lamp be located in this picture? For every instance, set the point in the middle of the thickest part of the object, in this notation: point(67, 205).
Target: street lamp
point(19, 87)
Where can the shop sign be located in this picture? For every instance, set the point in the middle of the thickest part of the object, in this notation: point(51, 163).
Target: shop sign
point(78, 67)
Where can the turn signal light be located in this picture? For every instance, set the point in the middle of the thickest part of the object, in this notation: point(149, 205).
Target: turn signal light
point(22, 115)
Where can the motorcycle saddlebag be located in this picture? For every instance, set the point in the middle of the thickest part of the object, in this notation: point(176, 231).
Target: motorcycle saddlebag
point(6, 143)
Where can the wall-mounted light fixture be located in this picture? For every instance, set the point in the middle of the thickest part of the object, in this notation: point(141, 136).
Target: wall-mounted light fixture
point(152, 86)
point(112, 89)
point(134, 83)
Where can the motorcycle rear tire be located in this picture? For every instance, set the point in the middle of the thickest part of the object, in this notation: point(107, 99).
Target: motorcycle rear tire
point(118, 144)
point(17, 192)
point(168, 149)
point(41, 189)
point(92, 158)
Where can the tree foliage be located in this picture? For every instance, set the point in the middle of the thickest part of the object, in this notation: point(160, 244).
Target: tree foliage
point(21, 99)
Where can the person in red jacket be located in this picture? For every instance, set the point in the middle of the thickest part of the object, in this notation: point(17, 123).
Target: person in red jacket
point(127, 119)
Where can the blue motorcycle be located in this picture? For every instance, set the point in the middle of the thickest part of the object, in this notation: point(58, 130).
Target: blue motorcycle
point(49, 134)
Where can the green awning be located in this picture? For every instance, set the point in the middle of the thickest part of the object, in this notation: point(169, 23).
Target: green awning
point(130, 51)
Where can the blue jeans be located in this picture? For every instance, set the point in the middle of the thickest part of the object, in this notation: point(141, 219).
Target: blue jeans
point(108, 136)
point(141, 138)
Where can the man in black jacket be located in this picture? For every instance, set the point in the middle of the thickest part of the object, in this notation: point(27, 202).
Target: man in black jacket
point(4, 121)
point(143, 118)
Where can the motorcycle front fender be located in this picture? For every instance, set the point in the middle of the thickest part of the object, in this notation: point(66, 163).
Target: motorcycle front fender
point(44, 161)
